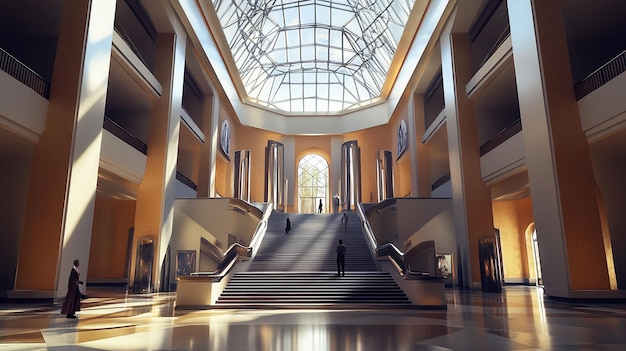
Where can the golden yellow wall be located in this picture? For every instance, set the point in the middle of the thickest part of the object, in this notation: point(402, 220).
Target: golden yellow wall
point(255, 140)
point(512, 217)
point(247, 138)
point(109, 238)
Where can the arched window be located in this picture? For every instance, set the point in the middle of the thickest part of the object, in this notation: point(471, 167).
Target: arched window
point(312, 184)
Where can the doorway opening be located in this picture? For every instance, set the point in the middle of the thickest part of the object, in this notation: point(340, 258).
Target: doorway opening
point(537, 258)
point(313, 184)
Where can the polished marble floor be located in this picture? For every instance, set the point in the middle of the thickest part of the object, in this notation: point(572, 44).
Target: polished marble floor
point(518, 319)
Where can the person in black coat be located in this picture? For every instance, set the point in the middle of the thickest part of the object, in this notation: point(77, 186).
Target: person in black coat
point(72, 298)
point(287, 226)
point(341, 259)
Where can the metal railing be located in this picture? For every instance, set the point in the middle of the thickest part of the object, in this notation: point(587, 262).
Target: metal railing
point(501, 137)
point(124, 135)
point(496, 45)
point(24, 74)
point(441, 181)
point(235, 251)
point(601, 76)
point(389, 250)
point(188, 182)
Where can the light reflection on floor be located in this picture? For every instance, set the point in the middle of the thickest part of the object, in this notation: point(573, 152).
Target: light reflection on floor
point(517, 319)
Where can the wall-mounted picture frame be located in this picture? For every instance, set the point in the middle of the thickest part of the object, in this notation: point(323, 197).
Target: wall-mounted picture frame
point(225, 139)
point(185, 262)
point(402, 139)
point(445, 267)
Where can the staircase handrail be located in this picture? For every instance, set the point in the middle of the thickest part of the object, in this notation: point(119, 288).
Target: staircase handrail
point(386, 204)
point(389, 250)
point(369, 233)
point(236, 250)
point(243, 206)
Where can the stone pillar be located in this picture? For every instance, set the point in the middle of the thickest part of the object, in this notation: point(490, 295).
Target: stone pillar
point(208, 153)
point(155, 196)
point(60, 205)
point(471, 199)
point(562, 184)
point(422, 169)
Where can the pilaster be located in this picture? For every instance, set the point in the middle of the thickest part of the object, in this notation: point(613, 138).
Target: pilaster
point(562, 184)
point(60, 205)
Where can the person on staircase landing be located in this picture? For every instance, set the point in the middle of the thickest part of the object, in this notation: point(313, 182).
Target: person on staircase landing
point(72, 298)
point(341, 259)
point(320, 206)
point(287, 226)
point(344, 222)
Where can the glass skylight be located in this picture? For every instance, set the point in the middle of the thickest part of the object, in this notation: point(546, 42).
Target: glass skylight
point(313, 56)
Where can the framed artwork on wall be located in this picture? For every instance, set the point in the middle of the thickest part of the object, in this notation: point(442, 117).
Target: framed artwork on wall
point(225, 139)
point(444, 265)
point(185, 262)
point(402, 139)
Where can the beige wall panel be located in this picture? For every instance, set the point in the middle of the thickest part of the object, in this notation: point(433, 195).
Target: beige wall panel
point(59, 212)
point(112, 222)
point(558, 158)
point(512, 217)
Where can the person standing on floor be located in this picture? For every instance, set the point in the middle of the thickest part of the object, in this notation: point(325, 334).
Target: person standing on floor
point(344, 222)
point(72, 298)
point(287, 226)
point(341, 259)
point(320, 206)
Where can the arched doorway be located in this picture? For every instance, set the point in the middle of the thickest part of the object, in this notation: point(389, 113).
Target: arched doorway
point(312, 184)
point(534, 260)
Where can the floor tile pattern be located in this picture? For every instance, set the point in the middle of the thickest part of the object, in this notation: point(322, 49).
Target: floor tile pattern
point(520, 318)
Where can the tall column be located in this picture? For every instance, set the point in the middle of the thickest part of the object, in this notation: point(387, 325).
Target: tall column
point(422, 169)
point(471, 199)
point(562, 185)
point(155, 196)
point(61, 197)
point(208, 153)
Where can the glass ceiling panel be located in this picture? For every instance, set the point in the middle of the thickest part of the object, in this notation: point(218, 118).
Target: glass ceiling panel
point(341, 49)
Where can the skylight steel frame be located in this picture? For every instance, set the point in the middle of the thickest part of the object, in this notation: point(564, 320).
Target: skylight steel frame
point(313, 56)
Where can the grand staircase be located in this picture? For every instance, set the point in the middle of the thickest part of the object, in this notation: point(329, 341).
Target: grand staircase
point(299, 270)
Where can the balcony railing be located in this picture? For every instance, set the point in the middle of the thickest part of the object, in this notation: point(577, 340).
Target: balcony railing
point(441, 181)
point(501, 137)
point(188, 182)
point(601, 76)
point(128, 138)
point(21, 72)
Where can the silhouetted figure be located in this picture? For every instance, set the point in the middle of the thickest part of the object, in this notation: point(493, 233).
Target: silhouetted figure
point(320, 206)
point(336, 203)
point(341, 259)
point(344, 222)
point(287, 226)
point(72, 298)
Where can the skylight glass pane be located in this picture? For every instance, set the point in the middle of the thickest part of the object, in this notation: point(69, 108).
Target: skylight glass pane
point(336, 38)
point(323, 14)
point(321, 36)
point(339, 49)
point(309, 90)
point(309, 105)
point(308, 53)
